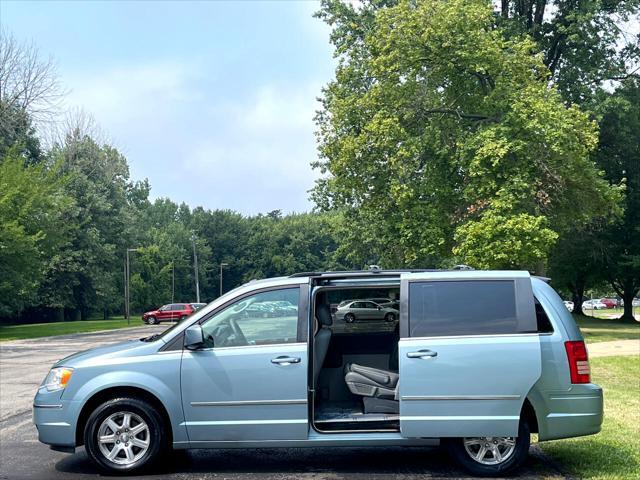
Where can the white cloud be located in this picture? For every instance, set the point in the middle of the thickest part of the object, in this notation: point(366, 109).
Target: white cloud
point(265, 160)
point(131, 91)
point(250, 153)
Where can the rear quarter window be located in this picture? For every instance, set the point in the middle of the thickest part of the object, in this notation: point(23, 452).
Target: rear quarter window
point(542, 319)
point(449, 308)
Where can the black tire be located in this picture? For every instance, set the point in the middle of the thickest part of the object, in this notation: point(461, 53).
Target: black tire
point(183, 317)
point(152, 320)
point(349, 318)
point(157, 436)
point(390, 317)
point(457, 450)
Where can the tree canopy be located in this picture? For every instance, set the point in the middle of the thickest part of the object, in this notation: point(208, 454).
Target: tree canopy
point(446, 122)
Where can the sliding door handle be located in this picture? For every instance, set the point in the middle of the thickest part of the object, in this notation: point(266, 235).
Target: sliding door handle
point(424, 354)
point(284, 360)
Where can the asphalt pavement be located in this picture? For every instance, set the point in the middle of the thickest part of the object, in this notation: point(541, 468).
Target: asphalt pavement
point(24, 363)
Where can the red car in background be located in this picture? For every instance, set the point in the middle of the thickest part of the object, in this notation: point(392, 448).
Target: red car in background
point(172, 312)
point(609, 302)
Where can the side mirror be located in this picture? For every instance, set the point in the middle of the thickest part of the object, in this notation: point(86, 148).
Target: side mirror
point(379, 308)
point(193, 337)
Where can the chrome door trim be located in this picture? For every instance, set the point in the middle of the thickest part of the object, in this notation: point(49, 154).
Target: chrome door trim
point(445, 337)
point(248, 422)
point(448, 418)
point(240, 403)
point(462, 397)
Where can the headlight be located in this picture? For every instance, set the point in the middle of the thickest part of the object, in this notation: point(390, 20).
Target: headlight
point(57, 378)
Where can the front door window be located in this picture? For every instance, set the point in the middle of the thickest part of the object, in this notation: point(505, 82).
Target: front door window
point(264, 318)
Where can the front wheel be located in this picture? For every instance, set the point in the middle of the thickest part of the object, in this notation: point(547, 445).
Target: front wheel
point(349, 318)
point(125, 435)
point(491, 456)
point(390, 317)
point(152, 320)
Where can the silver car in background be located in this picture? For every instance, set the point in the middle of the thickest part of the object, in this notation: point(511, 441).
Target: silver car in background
point(365, 310)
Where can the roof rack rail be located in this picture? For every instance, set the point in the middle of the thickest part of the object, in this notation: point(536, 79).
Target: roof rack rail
point(370, 272)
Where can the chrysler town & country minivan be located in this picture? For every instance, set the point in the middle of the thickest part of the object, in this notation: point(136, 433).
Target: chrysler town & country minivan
point(476, 360)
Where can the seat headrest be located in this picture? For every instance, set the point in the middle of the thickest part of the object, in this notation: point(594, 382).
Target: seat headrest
point(323, 314)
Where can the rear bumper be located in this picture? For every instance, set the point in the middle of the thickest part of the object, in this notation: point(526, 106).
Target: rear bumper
point(572, 414)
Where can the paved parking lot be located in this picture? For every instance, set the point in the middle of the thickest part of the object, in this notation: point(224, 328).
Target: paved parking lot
point(24, 363)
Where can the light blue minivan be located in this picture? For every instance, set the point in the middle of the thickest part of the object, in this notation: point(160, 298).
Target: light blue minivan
point(476, 360)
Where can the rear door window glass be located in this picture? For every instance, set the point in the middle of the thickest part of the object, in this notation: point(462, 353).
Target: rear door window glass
point(445, 308)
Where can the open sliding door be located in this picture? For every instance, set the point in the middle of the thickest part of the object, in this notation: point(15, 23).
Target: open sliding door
point(469, 352)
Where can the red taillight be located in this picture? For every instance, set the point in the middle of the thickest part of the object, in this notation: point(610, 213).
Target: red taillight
point(578, 361)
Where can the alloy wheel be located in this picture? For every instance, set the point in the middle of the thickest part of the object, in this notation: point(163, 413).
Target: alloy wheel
point(490, 450)
point(123, 438)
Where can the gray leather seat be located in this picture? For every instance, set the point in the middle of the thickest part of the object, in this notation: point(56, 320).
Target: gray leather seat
point(377, 386)
point(370, 381)
point(321, 339)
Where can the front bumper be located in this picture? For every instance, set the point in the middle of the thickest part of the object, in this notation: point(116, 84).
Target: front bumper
point(55, 419)
point(572, 414)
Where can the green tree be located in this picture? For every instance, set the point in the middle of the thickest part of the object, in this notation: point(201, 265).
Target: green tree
point(17, 131)
point(33, 226)
point(575, 264)
point(619, 155)
point(584, 42)
point(441, 134)
point(84, 275)
point(162, 269)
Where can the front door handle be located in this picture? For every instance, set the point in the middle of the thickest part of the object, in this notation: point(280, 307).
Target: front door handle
point(424, 354)
point(284, 360)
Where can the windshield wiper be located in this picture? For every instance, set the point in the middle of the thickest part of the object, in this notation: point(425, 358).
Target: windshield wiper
point(151, 338)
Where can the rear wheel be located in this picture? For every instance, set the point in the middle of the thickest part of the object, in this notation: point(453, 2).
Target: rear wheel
point(491, 456)
point(152, 320)
point(349, 318)
point(183, 317)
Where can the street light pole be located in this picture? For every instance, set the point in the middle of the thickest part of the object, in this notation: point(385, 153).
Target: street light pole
point(127, 277)
point(126, 293)
point(222, 265)
point(173, 280)
point(195, 267)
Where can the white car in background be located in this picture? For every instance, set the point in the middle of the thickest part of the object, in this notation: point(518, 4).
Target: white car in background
point(593, 305)
point(569, 305)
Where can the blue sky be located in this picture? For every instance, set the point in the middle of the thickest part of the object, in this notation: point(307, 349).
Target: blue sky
point(213, 102)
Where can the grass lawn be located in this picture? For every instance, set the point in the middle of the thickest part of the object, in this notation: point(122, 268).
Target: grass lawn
point(18, 332)
point(604, 330)
point(610, 313)
point(614, 453)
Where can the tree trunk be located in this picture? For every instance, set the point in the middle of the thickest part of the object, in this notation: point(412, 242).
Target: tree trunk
point(577, 294)
point(576, 298)
point(627, 315)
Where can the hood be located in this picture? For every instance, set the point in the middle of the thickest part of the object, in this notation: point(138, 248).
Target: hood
point(151, 312)
point(121, 349)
